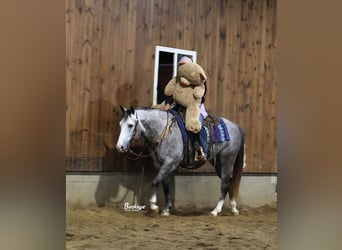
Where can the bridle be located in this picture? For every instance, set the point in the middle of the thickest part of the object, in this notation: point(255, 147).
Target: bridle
point(158, 142)
point(135, 128)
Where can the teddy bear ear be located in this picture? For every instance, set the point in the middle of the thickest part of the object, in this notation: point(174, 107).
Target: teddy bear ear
point(184, 60)
point(203, 78)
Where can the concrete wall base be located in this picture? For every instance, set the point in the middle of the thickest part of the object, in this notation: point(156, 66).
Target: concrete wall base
point(195, 191)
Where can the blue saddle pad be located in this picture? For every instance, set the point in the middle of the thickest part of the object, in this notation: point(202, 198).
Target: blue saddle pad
point(219, 133)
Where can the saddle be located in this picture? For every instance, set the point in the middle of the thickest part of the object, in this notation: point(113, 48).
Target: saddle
point(210, 132)
point(211, 120)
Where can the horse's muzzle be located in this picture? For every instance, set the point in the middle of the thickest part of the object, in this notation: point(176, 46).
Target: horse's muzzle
point(121, 149)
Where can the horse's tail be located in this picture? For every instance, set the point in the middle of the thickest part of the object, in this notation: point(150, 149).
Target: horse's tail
point(239, 164)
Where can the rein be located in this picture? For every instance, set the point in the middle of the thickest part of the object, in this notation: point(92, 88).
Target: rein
point(138, 155)
point(159, 141)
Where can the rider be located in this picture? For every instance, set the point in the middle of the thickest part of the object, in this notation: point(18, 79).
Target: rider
point(171, 104)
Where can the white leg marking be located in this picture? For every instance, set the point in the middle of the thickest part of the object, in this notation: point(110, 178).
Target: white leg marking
point(233, 207)
point(153, 201)
point(166, 212)
point(218, 208)
point(154, 207)
point(153, 198)
point(244, 156)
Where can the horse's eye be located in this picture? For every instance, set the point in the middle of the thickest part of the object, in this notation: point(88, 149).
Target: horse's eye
point(130, 125)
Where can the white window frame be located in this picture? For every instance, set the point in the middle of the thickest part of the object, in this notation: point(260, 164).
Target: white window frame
point(175, 52)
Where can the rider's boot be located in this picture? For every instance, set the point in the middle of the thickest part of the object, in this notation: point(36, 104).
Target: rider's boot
point(199, 153)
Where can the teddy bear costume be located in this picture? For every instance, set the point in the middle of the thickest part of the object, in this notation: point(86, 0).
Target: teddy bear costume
point(188, 89)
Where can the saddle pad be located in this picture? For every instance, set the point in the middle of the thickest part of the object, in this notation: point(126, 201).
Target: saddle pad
point(219, 133)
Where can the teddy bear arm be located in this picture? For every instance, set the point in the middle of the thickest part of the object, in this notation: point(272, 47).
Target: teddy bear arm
point(192, 122)
point(169, 88)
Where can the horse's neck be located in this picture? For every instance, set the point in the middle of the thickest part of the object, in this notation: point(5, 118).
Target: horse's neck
point(153, 122)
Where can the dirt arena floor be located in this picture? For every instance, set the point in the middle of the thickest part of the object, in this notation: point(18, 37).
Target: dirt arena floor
point(114, 228)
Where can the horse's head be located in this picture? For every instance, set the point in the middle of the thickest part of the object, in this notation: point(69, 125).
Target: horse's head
point(130, 129)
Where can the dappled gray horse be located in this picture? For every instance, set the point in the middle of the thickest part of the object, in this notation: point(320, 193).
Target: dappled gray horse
point(166, 144)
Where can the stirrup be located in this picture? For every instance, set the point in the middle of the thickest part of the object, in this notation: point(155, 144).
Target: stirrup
point(202, 156)
point(199, 154)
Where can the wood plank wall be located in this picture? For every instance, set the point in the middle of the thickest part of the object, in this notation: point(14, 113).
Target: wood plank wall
point(110, 61)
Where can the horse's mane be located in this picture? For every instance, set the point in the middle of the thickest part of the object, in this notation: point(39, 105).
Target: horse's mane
point(149, 109)
point(128, 112)
point(145, 108)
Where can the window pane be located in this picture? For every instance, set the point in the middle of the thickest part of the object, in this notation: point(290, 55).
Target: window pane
point(166, 66)
point(179, 56)
point(165, 71)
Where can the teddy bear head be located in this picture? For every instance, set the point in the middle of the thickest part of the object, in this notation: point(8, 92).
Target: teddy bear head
point(190, 73)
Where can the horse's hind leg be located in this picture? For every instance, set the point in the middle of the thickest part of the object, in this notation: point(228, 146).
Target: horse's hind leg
point(235, 180)
point(225, 186)
point(224, 167)
point(233, 206)
point(232, 197)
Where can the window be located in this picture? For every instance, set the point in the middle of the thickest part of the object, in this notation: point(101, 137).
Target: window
point(165, 67)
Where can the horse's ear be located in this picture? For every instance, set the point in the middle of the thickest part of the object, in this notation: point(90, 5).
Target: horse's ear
point(123, 109)
point(106, 146)
point(132, 110)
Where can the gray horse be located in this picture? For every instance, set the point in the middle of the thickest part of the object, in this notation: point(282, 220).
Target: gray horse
point(165, 141)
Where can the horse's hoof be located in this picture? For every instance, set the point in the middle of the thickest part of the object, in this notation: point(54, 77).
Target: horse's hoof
point(154, 208)
point(165, 213)
point(214, 213)
point(235, 212)
point(152, 213)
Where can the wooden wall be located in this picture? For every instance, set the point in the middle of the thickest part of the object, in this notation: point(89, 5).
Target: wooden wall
point(110, 61)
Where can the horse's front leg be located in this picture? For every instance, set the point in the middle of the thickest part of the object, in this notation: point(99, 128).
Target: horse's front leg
point(168, 202)
point(162, 177)
point(153, 200)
